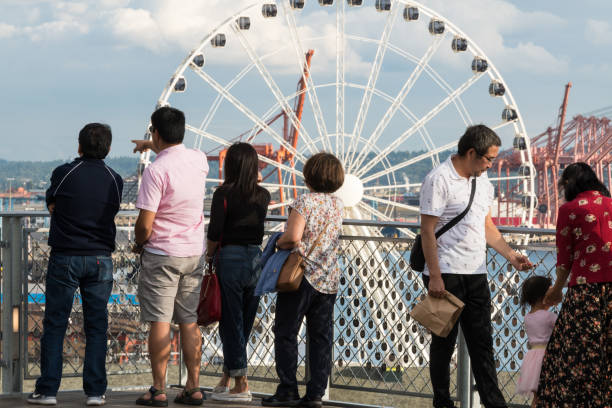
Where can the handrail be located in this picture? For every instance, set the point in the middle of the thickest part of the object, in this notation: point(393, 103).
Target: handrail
point(280, 218)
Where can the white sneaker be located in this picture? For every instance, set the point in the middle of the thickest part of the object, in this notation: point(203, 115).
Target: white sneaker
point(228, 396)
point(39, 399)
point(96, 401)
point(220, 389)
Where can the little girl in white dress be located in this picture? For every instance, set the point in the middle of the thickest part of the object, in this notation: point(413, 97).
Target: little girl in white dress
point(539, 323)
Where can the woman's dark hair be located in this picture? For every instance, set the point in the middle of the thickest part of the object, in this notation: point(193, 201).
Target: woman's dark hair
point(477, 137)
point(534, 289)
point(579, 177)
point(323, 172)
point(170, 124)
point(241, 166)
point(95, 140)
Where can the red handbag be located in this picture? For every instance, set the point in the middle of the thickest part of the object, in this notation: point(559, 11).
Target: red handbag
point(209, 307)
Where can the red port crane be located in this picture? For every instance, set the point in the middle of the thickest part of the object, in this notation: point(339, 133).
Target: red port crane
point(290, 135)
point(586, 138)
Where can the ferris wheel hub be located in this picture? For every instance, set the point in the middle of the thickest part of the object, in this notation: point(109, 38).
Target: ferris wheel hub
point(351, 191)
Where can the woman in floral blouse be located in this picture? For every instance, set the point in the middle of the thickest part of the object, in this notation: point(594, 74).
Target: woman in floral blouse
point(577, 367)
point(315, 215)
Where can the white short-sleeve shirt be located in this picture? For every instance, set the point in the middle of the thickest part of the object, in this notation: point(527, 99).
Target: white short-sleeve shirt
point(445, 194)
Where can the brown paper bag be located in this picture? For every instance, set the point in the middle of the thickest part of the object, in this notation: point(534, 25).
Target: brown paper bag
point(438, 314)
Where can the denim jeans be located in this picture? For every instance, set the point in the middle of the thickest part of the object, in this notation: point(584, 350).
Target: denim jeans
point(238, 272)
point(291, 307)
point(94, 276)
point(475, 321)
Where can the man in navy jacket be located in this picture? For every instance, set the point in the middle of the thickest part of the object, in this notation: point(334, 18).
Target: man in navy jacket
point(83, 200)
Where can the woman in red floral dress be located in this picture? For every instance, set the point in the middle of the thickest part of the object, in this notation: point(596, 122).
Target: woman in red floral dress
point(577, 367)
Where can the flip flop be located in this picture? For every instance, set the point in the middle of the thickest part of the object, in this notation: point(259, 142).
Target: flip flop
point(185, 397)
point(151, 402)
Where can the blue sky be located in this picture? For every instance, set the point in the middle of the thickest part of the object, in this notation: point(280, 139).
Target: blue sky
point(66, 63)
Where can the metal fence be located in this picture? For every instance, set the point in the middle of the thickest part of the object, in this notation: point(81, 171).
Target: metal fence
point(378, 348)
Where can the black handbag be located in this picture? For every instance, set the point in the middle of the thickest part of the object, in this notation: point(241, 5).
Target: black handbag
point(417, 257)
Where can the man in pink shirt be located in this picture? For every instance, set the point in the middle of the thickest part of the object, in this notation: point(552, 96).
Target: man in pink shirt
point(169, 234)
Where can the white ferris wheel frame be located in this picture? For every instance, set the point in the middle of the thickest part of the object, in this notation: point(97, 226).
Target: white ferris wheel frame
point(351, 155)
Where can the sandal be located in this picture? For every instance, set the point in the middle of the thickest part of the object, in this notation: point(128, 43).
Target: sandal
point(185, 397)
point(151, 402)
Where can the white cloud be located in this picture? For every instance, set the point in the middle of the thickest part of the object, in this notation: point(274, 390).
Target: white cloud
point(7, 30)
point(598, 32)
point(71, 8)
point(49, 19)
point(136, 27)
point(33, 15)
point(183, 24)
point(489, 21)
point(164, 25)
point(533, 58)
point(113, 4)
point(54, 29)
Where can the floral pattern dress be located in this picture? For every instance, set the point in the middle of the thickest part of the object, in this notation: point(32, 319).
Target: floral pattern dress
point(577, 366)
point(320, 209)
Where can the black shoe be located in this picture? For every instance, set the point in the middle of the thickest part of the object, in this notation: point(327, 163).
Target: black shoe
point(281, 400)
point(443, 404)
point(310, 402)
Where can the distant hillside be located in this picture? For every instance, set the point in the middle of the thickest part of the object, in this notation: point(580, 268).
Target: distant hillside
point(35, 175)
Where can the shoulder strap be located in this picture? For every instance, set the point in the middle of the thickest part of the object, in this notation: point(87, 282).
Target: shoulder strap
point(458, 218)
point(313, 246)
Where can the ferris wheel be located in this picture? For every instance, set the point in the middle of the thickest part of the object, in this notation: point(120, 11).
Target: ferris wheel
point(388, 86)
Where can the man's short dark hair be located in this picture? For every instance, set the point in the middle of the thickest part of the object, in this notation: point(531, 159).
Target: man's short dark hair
point(479, 138)
point(323, 172)
point(95, 140)
point(170, 124)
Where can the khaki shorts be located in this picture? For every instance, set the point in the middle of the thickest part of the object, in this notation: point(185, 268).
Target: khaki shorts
point(169, 288)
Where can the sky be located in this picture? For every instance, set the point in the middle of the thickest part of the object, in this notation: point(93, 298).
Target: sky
point(67, 63)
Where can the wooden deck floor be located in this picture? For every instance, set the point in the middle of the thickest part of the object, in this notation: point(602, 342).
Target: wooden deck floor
point(113, 399)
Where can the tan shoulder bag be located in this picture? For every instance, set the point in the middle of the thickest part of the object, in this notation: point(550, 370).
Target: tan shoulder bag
point(292, 272)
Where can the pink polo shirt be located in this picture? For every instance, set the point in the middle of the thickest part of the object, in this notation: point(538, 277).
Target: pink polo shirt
point(173, 188)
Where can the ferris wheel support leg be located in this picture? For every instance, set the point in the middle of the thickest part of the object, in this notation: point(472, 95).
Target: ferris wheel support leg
point(280, 190)
point(295, 194)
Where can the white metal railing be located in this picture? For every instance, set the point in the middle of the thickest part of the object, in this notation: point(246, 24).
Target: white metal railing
point(377, 347)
